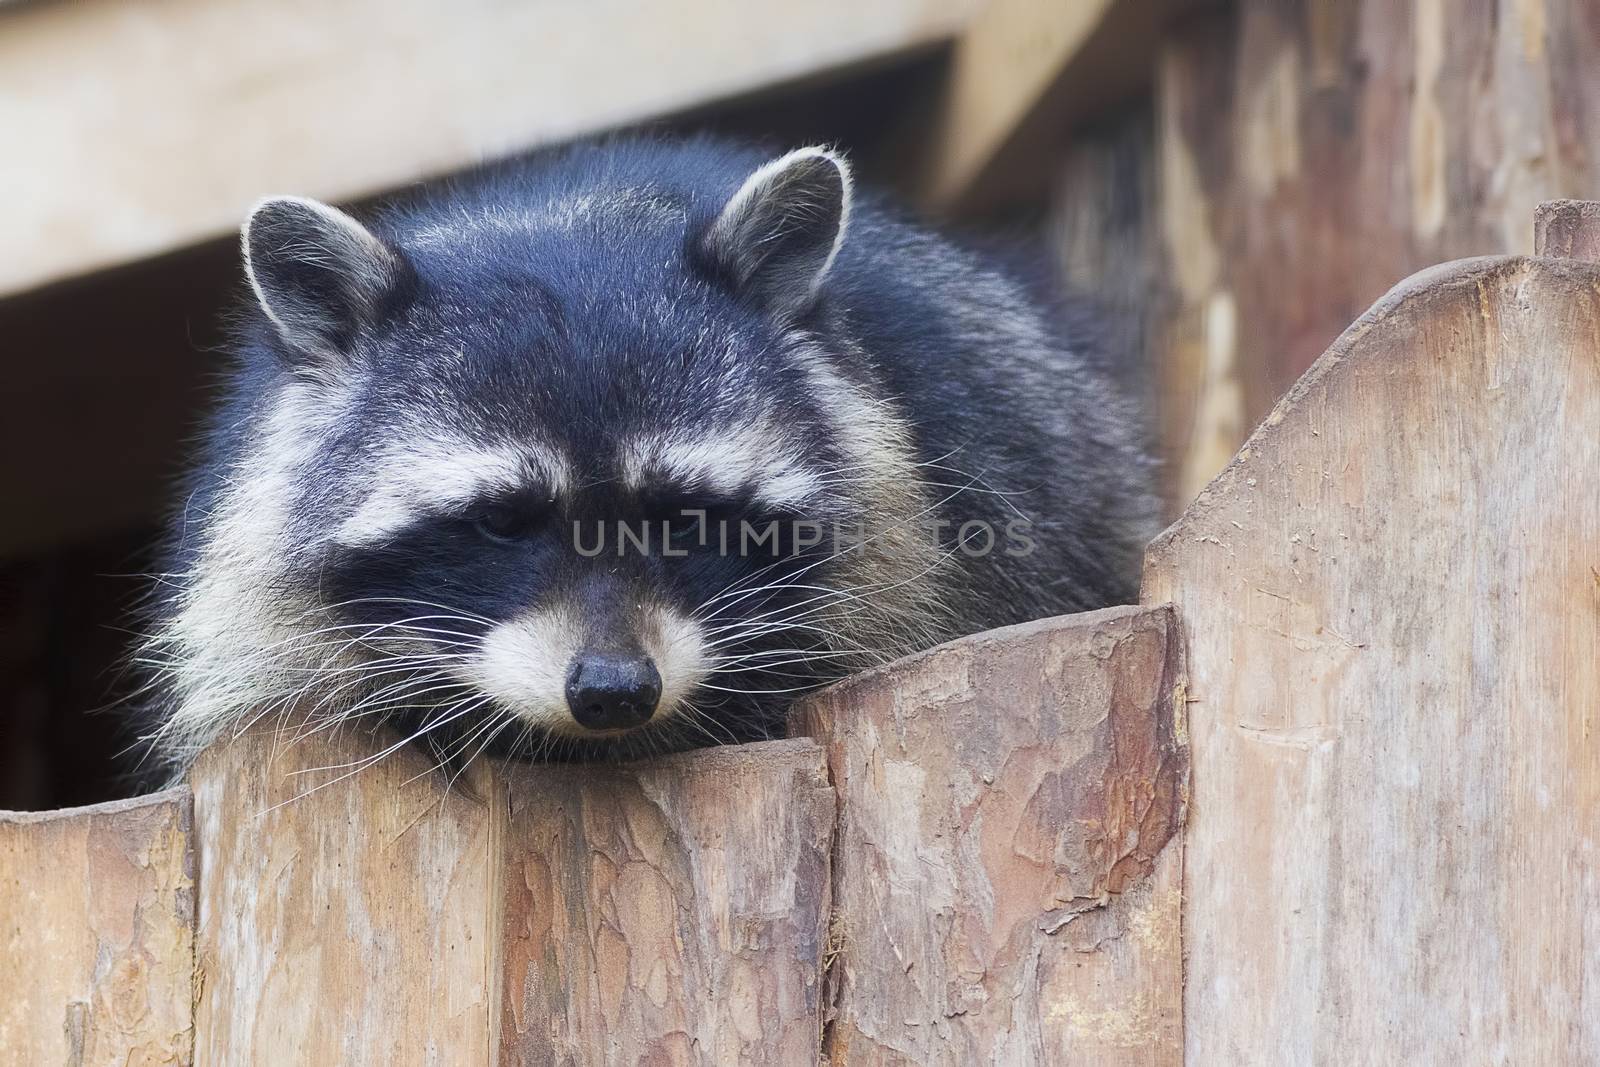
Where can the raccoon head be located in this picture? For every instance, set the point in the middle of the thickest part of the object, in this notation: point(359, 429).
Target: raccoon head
point(593, 474)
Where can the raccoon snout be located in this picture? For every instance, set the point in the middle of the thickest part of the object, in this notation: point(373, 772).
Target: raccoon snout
point(607, 691)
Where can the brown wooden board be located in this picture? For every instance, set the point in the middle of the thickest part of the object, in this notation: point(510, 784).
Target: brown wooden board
point(1006, 874)
point(669, 912)
point(1392, 602)
point(673, 912)
point(345, 917)
point(1314, 151)
point(97, 934)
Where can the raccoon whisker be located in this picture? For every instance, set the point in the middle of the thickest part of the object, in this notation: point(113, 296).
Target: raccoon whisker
point(383, 661)
point(357, 674)
point(754, 620)
point(792, 612)
point(299, 693)
point(763, 661)
point(760, 692)
point(741, 652)
point(452, 610)
point(887, 530)
point(506, 720)
point(741, 594)
point(768, 669)
point(692, 716)
point(733, 641)
point(366, 761)
point(362, 764)
point(302, 643)
point(394, 697)
point(406, 626)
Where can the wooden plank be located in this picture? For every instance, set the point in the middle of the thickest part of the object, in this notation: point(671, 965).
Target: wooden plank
point(1006, 875)
point(1023, 73)
point(152, 126)
point(1567, 229)
point(1392, 600)
point(97, 933)
point(673, 912)
point(1314, 152)
point(344, 918)
point(1103, 231)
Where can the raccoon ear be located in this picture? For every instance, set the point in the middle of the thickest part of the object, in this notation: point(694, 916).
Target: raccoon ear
point(317, 272)
point(777, 237)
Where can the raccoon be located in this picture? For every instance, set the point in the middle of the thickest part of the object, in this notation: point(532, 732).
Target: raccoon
point(614, 450)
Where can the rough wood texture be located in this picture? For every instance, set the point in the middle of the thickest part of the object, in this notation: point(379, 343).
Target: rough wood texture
point(354, 925)
point(1392, 600)
point(152, 126)
point(1313, 151)
point(1005, 879)
point(668, 913)
point(1567, 229)
point(97, 934)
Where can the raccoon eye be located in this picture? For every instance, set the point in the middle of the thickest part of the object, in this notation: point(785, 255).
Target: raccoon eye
point(500, 522)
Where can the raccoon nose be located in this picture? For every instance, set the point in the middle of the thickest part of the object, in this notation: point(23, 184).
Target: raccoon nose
point(612, 692)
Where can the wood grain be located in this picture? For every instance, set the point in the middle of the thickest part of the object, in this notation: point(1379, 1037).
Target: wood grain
point(1392, 600)
point(673, 912)
point(97, 934)
point(1315, 151)
point(347, 919)
point(1005, 877)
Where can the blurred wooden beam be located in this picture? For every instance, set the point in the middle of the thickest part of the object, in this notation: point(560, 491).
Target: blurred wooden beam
point(1023, 73)
point(135, 129)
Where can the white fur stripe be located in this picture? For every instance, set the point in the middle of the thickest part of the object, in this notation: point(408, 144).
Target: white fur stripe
point(429, 477)
point(753, 456)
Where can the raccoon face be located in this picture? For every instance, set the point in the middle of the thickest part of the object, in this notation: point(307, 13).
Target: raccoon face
point(561, 483)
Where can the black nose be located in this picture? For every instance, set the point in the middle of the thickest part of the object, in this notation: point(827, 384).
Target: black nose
point(612, 692)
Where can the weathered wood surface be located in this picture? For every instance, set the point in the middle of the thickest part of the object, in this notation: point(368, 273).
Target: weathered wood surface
point(1006, 873)
point(669, 912)
point(347, 921)
point(1567, 229)
point(673, 912)
point(1313, 152)
point(1392, 601)
point(97, 934)
point(153, 126)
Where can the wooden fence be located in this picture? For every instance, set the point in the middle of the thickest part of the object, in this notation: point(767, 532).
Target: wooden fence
point(1331, 796)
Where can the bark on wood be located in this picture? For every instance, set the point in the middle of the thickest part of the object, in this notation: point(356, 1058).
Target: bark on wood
point(1313, 152)
point(344, 918)
point(97, 934)
point(668, 913)
point(1392, 598)
point(1005, 877)
point(671, 912)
